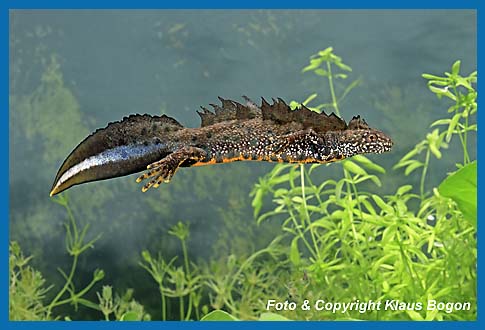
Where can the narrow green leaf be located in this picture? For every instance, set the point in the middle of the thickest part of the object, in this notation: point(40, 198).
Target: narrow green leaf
point(376, 180)
point(435, 150)
point(354, 168)
point(383, 205)
point(88, 303)
point(338, 189)
point(326, 51)
point(403, 189)
point(294, 252)
point(310, 98)
point(452, 126)
point(455, 69)
point(460, 81)
point(414, 165)
point(441, 122)
point(371, 177)
point(343, 66)
point(350, 87)
point(430, 76)
point(268, 215)
point(313, 167)
point(439, 82)
point(410, 154)
point(321, 72)
point(340, 75)
point(257, 202)
point(442, 91)
point(314, 63)
point(369, 207)
point(367, 163)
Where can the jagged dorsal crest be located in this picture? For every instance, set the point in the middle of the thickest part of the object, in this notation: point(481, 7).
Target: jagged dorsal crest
point(278, 112)
point(228, 110)
point(358, 123)
point(281, 113)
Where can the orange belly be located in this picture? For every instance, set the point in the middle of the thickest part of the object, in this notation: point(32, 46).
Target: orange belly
point(266, 159)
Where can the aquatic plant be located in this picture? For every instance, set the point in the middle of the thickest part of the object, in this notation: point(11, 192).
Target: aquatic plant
point(350, 242)
point(338, 240)
point(27, 285)
point(238, 284)
point(176, 281)
point(343, 240)
point(31, 299)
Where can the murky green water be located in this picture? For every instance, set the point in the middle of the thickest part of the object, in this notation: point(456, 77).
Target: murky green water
point(75, 71)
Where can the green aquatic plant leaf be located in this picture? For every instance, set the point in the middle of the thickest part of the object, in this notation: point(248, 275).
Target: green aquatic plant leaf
point(367, 163)
point(413, 165)
point(129, 316)
point(218, 315)
point(461, 187)
point(383, 205)
point(455, 69)
point(294, 252)
point(451, 128)
point(354, 168)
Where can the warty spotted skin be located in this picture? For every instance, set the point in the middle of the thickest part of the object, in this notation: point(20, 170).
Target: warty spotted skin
point(235, 132)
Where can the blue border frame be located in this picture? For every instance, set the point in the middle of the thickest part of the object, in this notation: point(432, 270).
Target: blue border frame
point(5, 6)
point(242, 4)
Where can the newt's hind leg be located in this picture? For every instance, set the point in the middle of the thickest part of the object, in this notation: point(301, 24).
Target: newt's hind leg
point(164, 169)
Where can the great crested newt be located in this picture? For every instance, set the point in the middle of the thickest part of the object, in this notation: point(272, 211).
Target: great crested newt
point(233, 132)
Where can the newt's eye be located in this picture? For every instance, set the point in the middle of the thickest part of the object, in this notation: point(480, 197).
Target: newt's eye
point(372, 137)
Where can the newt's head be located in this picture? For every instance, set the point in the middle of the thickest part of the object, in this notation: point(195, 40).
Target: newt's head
point(359, 138)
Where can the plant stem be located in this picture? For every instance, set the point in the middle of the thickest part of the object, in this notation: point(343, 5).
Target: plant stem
point(423, 175)
point(189, 278)
point(303, 196)
point(244, 265)
point(77, 295)
point(332, 90)
point(197, 315)
point(301, 234)
point(465, 144)
point(164, 303)
point(349, 208)
point(74, 261)
point(64, 288)
point(189, 308)
point(463, 137)
point(181, 306)
point(186, 258)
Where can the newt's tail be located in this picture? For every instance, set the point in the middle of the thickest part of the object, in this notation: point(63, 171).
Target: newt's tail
point(119, 149)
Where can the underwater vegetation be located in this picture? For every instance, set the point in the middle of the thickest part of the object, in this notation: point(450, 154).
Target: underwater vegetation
point(336, 239)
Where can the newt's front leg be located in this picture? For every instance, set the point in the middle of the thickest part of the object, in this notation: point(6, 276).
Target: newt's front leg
point(164, 169)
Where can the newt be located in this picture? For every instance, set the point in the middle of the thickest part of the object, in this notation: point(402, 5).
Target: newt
point(160, 145)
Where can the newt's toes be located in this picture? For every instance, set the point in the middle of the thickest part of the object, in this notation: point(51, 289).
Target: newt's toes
point(148, 185)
